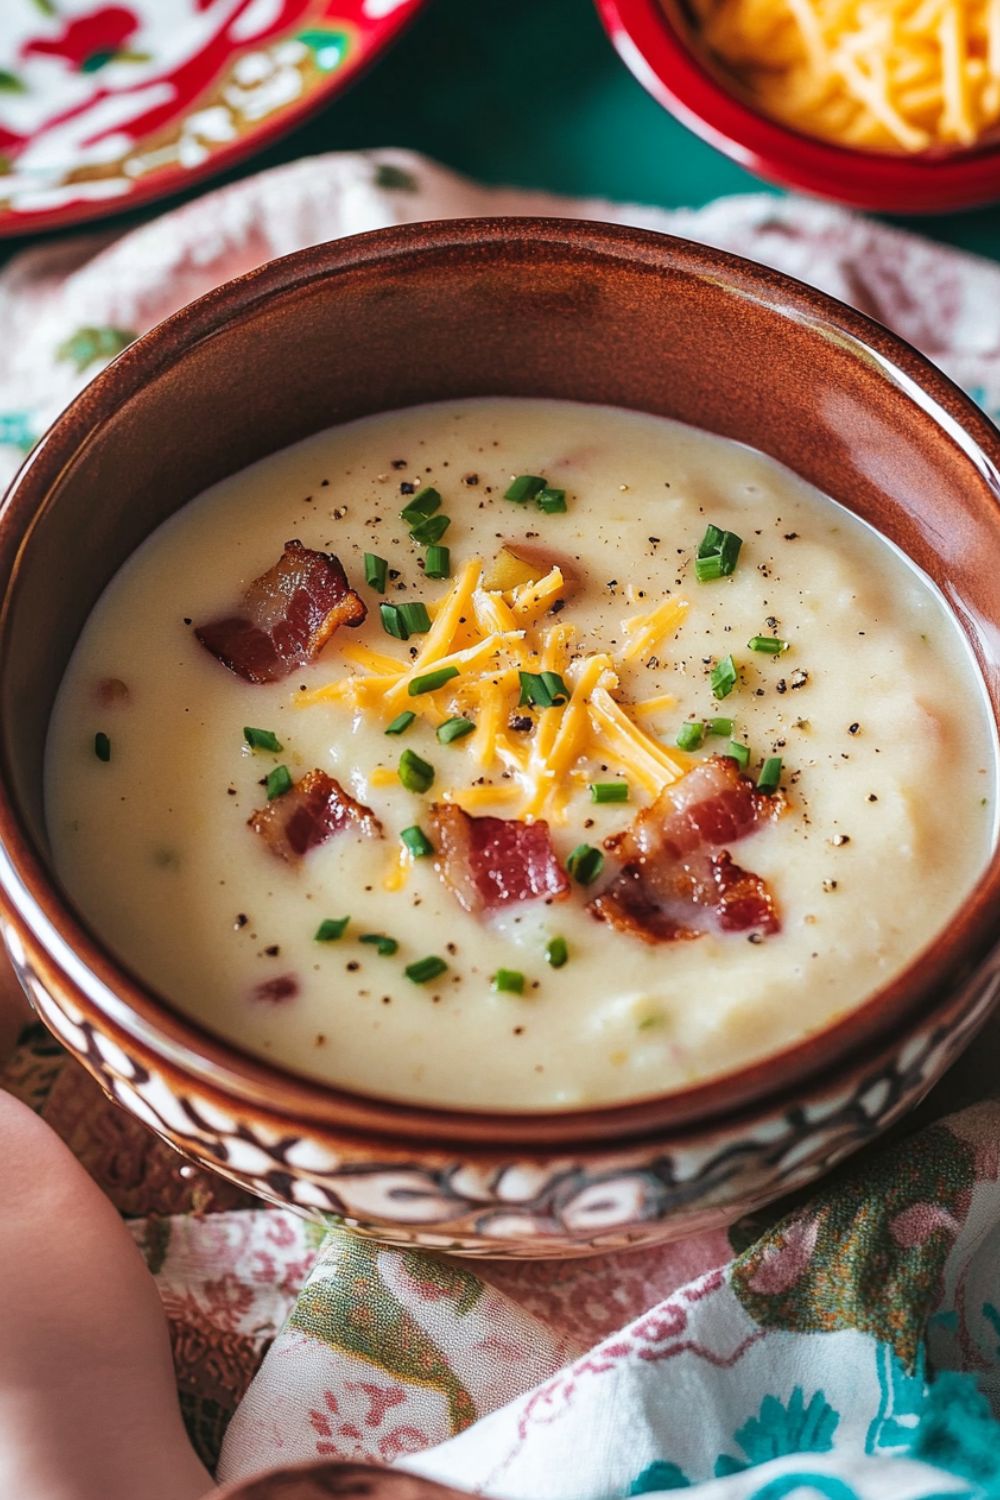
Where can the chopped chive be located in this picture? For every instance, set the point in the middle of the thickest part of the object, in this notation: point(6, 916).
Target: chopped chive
point(720, 727)
point(454, 729)
point(609, 791)
point(431, 530)
point(331, 929)
point(718, 553)
point(392, 622)
point(425, 969)
point(415, 774)
point(524, 487)
point(262, 739)
point(376, 571)
point(551, 501)
point(711, 541)
point(769, 644)
point(102, 746)
point(724, 677)
point(279, 781)
point(429, 682)
point(707, 569)
point(386, 946)
point(401, 722)
point(585, 863)
point(542, 690)
point(417, 841)
point(423, 504)
point(508, 981)
point(770, 775)
point(415, 618)
point(438, 563)
point(556, 952)
point(690, 736)
point(740, 753)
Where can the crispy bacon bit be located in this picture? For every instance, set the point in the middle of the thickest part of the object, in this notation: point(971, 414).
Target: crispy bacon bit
point(286, 618)
point(283, 987)
point(677, 881)
point(494, 862)
point(316, 808)
point(111, 692)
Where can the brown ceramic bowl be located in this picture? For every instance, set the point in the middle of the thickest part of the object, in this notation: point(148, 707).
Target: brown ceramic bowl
point(483, 307)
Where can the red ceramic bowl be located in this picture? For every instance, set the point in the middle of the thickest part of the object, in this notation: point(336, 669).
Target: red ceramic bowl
point(660, 45)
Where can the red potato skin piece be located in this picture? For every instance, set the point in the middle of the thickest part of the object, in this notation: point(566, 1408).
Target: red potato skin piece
point(676, 881)
point(315, 809)
point(287, 616)
point(489, 863)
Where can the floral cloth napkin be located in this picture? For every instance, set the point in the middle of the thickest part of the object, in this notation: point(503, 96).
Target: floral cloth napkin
point(850, 1350)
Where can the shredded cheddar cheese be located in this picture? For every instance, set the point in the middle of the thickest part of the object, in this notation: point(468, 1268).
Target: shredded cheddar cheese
point(491, 636)
point(646, 631)
point(884, 74)
point(399, 869)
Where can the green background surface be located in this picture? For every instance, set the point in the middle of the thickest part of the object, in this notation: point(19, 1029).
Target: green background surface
point(530, 92)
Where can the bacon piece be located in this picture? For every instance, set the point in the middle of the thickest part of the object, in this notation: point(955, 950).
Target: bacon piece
point(677, 881)
point(111, 692)
point(287, 616)
point(282, 987)
point(494, 862)
point(316, 808)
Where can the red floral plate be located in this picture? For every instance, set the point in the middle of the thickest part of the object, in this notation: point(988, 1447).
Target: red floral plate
point(103, 106)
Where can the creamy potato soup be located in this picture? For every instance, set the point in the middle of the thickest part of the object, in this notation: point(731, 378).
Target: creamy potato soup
point(608, 757)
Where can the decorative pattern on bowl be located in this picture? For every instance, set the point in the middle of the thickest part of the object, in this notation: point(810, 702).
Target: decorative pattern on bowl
point(127, 102)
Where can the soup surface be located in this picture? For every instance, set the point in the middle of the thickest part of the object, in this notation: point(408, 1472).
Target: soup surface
point(731, 922)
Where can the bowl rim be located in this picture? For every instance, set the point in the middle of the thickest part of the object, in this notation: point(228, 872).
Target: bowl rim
point(37, 910)
point(653, 46)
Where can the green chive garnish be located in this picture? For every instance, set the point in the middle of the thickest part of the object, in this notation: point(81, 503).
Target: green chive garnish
point(721, 727)
point(415, 774)
point(417, 842)
point(392, 622)
point(438, 563)
point(508, 981)
point(770, 775)
point(431, 530)
point(386, 946)
point(331, 929)
point(425, 969)
point(609, 791)
point(739, 753)
point(690, 736)
point(525, 487)
point(717, 554)
point(262, 739)
point(376, 571)
point(585, 863)
point(401, 722)
point(542, 690)
point(556, 952)
point(724, 677)
point(429, 682)
point(708, 569)
point(279, 781)
point(769, 644)
point(415, 618)
point(423, 504)
point(102, 746)
point(454, 729)
point(550, 500)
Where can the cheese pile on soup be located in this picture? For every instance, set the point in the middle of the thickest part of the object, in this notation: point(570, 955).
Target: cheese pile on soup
point(518, 754)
